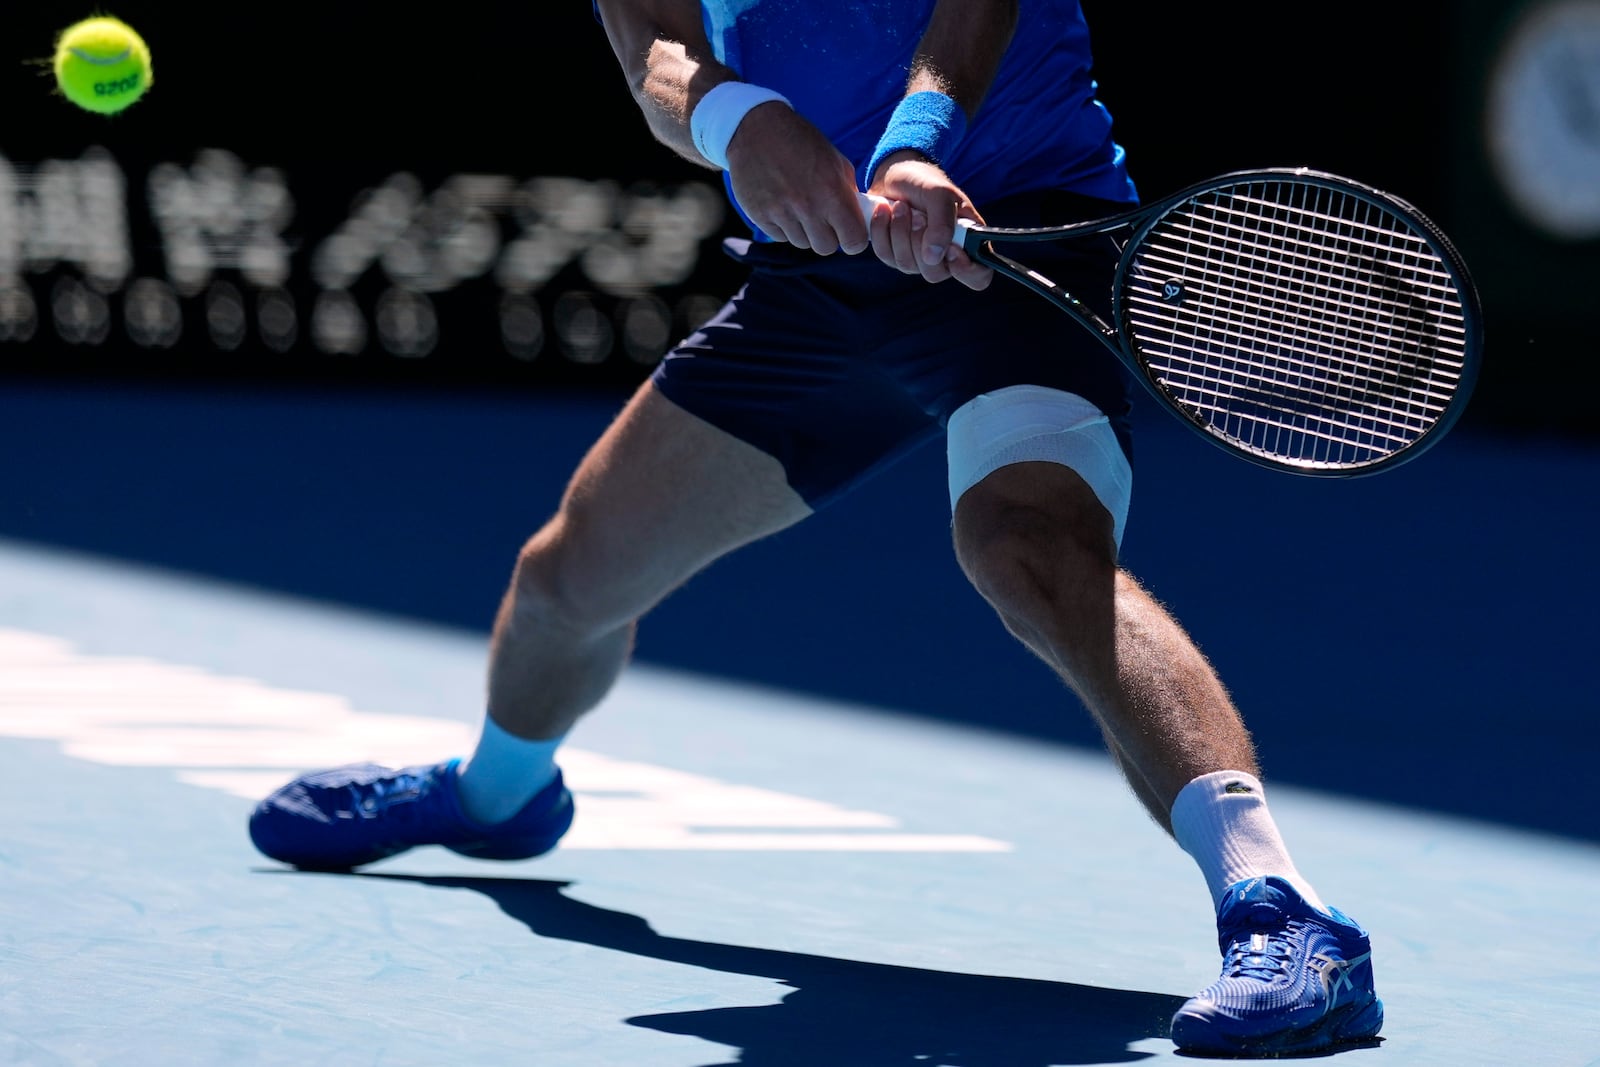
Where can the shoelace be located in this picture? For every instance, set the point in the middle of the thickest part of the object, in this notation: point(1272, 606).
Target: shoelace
point(1259, 955)
point(380, 796)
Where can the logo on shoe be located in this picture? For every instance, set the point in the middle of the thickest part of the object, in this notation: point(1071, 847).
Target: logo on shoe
point(1335, 973)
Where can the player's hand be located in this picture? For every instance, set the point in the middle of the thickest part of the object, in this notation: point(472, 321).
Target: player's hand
point(794, 184)
point(915, 233)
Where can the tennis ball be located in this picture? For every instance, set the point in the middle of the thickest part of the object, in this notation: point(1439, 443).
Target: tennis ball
point(102, 65)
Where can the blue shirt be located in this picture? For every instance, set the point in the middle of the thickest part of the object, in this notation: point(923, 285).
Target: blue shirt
point(843, 64)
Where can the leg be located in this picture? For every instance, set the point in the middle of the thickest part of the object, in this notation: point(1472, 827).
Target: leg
point(1039, 488)
point(1297, 976)
point(661, 495)
point(1038, 545)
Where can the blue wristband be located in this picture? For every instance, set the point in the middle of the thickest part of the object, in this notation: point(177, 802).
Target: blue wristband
point(929, 122)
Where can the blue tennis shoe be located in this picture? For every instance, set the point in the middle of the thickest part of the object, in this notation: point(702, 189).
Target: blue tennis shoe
point(1294, 979)
point(343, 818)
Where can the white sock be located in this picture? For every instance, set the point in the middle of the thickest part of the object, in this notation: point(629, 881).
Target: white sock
point(1221, 820)
point(503, 773)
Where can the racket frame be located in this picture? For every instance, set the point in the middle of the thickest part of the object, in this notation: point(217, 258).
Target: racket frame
point(979, 241)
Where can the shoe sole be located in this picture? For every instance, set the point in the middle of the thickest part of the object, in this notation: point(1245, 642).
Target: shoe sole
point(523, 848)
point(1348, 1025)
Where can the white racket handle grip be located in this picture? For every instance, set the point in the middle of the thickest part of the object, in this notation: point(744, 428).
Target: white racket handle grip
point(870, 202)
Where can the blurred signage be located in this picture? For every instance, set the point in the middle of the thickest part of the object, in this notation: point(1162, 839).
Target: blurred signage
point(207, 258)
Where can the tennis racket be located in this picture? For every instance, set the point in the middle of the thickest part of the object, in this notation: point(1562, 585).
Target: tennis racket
point(1301, 320)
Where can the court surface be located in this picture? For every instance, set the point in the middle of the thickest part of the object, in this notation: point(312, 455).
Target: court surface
point(755, 877)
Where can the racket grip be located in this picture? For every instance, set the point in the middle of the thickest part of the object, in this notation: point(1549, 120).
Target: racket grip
point(870, 202)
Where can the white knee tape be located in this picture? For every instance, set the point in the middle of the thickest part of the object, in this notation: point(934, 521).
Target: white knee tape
point(1023, 423)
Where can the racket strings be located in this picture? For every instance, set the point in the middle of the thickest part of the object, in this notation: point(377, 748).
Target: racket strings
point(1338, 302)
point(1356, 365)
point(1321, 279)
point(1309, 310)
point(1355, 372)
point(1305, 323)
point(1242, 227)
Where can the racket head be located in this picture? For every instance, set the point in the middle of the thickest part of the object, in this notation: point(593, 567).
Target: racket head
point(1303, 320)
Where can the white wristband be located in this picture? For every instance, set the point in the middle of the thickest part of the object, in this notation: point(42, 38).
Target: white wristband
point(719, 113)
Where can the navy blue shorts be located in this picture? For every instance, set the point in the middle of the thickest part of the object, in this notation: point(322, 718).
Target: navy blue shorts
point(839, 365)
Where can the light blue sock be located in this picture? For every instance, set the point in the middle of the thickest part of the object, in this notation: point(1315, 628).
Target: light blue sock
point(503, 773)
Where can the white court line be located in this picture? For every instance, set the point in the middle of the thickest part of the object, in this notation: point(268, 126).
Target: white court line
point(244, 738)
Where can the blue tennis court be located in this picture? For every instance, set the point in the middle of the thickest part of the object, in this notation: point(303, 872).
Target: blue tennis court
point(759, 875)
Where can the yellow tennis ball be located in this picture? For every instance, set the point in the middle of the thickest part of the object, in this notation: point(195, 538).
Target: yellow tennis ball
point(102, 65)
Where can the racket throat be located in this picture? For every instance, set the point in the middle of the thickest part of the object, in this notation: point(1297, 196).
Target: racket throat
point(1054, 293)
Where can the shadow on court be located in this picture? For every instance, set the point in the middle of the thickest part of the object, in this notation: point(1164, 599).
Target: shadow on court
point(849, 1012)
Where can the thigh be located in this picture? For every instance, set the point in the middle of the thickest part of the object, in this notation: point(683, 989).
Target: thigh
point(661, 494)
point(786, 367)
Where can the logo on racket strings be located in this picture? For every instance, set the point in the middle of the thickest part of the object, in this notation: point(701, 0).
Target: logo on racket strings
point(1172, 291)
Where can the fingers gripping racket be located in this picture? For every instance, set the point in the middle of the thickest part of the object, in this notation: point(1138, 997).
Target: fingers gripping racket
point(1298, 319)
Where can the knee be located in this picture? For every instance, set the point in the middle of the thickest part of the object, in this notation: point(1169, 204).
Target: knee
point(1027, 552)
point(571, 579)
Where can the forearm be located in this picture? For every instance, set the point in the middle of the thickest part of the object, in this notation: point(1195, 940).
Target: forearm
point(668, 64)
point(785, 174)
point(955, 62)
point(961, 49)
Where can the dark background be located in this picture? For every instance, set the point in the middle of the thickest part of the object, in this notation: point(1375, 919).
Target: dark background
point(339, 98)
point(1401, 638)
